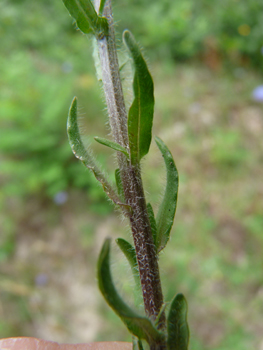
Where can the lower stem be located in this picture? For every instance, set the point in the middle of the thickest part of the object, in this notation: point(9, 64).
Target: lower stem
point(144, 245)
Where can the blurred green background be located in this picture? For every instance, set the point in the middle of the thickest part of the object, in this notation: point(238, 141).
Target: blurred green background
point(206, 59)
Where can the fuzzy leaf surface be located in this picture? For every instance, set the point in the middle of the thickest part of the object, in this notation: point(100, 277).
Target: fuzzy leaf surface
point(129, 251)
point(74, 137)
point(139, 326)
point(86, 16)
point(140, 115)
point(85, 156)
point(114, 145)
point(166, 212)
point(178, 330)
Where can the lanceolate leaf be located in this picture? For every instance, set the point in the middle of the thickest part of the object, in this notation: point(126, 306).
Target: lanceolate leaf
point(74, 137)
point(85, 156)
point(178, 330)
point(130, 254)
point(141, 111)
point(129, 251)
point(86, 16)
point(166, 212)
point(139, 326)
point(152, 222)
point(112, 144)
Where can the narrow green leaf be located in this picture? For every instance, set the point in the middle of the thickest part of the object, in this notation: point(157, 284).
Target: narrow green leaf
point(129, 251)
point(85, 156)
point(152, 222)
point(139, 326)
point(102, 4)
point(74, 137)
point(166, 212)
point(178, 330)
point(130, 254)
point(140, 116)
point(86, 16)
point(112, 144)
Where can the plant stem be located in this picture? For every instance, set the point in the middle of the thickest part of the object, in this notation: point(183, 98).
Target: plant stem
point(131, 175)
point(111, 81)
point(144, 246)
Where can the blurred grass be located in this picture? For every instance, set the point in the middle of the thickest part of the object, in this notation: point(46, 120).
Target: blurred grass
point(49, 246)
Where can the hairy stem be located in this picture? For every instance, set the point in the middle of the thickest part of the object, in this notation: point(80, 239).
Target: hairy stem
point(111, 81)
point(144, 245)
point(131, 175)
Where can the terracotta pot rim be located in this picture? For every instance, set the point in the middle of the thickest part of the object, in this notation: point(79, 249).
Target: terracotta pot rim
point(31, 343)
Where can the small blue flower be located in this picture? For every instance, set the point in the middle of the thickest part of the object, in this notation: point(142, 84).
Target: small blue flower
point(60, 198)
point(257, 93)
point(41, 279)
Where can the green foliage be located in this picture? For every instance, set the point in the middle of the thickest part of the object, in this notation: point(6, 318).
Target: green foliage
point(141, 111)
point(129, 251)
point(37, 83)
point(139, 326)
point(101, 8)
point(166, 212)
point(190, 29)
point(86, 17)
point(228, 149)
point(112, 144)
point(7, 239)
point(42, 68)
point(74, 137)
point(128, 177)
point(178, 330)
point(82, 153)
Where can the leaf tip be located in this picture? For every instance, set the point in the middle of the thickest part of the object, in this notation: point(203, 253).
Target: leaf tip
point(126, 35)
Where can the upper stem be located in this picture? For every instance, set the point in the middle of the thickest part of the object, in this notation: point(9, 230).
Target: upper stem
point(111, 80)
point(131, 175)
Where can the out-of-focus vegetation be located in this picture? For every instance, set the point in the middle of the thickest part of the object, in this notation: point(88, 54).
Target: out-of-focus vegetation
point(206, 60)
point(229, 30)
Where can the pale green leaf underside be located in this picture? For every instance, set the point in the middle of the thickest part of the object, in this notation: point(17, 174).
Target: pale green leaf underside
point(129, 251)
point(139, 326)
point(114, 145)
point(86, 16)
point(178, 330)
point(140, 116)
point(74, 137)
point(166, 212)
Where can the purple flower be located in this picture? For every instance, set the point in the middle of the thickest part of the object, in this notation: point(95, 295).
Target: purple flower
point(41, 279)
point(257, 93)
point(60, 198)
